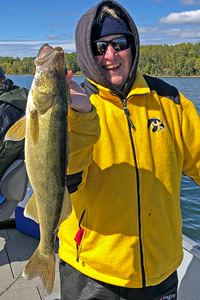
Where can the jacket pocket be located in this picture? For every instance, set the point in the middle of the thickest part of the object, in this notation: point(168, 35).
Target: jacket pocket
point(79, 235)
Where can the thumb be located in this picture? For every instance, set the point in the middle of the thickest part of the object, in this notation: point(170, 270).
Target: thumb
point(70, 75)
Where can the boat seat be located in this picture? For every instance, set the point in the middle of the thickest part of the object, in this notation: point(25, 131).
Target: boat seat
point(13, 188)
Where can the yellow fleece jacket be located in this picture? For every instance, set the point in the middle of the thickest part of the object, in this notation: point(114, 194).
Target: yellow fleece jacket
point(128, 202)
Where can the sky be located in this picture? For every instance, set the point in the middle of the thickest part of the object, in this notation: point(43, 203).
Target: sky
point(27, 25)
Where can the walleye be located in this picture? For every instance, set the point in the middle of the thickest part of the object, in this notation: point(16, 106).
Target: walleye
point(45, 129)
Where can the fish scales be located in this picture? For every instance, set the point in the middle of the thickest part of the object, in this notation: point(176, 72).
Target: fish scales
point(46, 152)
point(46, 155)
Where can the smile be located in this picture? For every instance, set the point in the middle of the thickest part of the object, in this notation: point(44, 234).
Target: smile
point(112, 67)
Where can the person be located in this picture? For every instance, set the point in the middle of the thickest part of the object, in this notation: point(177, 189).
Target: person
point(13, 100)
point(131, 138)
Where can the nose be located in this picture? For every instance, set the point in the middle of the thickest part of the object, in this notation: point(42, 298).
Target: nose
point(110, 53)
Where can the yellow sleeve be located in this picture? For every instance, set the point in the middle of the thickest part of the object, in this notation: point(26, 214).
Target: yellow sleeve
point(191, 140)
point(84, 132)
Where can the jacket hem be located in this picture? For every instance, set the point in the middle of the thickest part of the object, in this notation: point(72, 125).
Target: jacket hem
point(82, 267)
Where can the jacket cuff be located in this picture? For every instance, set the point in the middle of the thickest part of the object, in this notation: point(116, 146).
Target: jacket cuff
point(82, 117)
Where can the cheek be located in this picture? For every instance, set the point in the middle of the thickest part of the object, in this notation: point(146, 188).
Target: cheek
point(98, 59)
point(127, 57)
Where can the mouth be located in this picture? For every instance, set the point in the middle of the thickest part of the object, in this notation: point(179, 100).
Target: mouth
point(111, 67)
point(45, 54)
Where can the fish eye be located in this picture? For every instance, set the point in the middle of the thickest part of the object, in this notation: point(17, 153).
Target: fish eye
point(53, 71)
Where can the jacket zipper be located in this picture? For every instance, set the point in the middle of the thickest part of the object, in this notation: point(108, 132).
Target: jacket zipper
point(124, 101)
point(131, 125)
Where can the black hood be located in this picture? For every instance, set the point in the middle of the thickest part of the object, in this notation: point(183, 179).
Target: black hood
point(5, 83)
point(86, 59)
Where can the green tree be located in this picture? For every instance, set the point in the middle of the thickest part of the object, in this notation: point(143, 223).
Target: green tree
point(156, 60)
point(197, 66)
point(72, 62)
point(181, 68)
point(190, 63)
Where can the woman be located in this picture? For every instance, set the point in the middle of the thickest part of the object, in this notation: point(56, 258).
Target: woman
point(125, 187)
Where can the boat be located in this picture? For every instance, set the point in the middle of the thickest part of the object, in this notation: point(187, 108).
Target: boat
point(188, 272)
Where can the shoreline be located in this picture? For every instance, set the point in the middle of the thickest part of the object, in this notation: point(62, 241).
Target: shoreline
point(197, 76)
point(34, 75)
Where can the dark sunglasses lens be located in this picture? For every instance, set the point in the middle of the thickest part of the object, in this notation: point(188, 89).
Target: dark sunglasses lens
point(101, 48)
point(119, 44)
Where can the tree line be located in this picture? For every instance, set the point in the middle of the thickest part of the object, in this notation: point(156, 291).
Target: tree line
point(26, 66)
point(167, 60)
point(156, 60)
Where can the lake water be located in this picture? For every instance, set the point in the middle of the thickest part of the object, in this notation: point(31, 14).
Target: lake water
point(190, 200)
point(26, 80)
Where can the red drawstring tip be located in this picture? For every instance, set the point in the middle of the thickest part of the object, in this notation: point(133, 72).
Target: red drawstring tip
point(79, 236)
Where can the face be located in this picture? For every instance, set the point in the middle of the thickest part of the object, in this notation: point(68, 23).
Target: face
point(115, 65)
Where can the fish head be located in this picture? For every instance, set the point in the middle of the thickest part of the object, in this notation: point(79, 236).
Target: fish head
point(50, 78)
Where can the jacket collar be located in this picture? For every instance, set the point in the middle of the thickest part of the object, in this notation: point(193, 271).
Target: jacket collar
point(139, 88)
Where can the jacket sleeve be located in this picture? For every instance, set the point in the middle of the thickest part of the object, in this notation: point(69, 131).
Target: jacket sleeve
point(84, 132)
point(191, 140)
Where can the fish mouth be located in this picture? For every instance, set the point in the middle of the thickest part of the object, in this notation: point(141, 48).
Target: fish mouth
point(46, 53)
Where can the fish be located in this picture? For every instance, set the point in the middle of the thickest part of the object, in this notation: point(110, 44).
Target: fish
point(45, 129)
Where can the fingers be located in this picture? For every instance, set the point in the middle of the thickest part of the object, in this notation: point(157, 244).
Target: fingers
point(72, 84)
point(79, 100)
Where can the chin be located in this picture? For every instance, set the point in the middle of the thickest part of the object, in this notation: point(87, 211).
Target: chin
point(117, 83)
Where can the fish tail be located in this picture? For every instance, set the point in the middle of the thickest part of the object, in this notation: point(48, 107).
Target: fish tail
point(43, 266)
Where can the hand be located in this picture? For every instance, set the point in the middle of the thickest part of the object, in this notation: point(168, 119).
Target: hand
point(79, 100)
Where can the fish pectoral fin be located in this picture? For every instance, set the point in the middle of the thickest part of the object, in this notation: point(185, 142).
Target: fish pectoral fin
point(66, 207)
point(31, 211)
point(18, 131)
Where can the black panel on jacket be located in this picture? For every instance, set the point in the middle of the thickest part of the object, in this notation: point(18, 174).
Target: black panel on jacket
point(90, 88)
point(162, 88)
point(9, 114)
point(73, 182)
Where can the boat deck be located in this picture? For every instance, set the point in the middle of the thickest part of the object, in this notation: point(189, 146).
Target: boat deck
point(16, 248)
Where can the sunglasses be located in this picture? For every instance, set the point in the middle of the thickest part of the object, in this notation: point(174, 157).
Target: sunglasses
point(118, 44)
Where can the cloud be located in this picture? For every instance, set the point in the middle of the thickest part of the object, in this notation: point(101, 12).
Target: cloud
point(190, 2)
point(68, 36)
point(168, 35)
point(61, 14)
point(58, 24)
point(185, 33)
point(184, 18)
point(147, 30)
point(141, 19)
point(72, 35)
point(52, 37)
point(27, 48)
point(22, 37)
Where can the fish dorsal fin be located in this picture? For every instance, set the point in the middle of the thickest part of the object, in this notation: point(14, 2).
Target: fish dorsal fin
point(31, 211)
point(18, 131)
point(66, 208)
